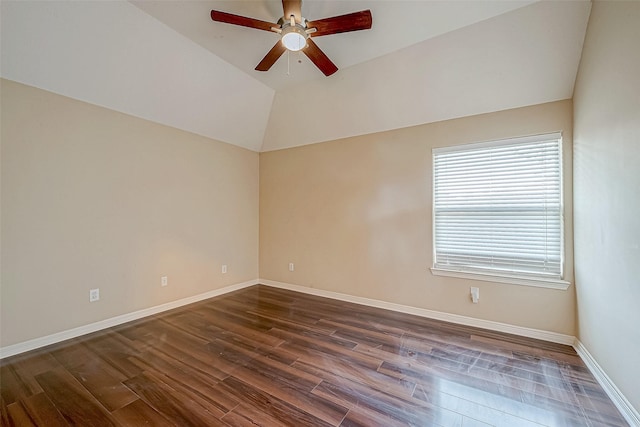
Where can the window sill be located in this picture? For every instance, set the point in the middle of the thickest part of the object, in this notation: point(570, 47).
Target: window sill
point(562, 285)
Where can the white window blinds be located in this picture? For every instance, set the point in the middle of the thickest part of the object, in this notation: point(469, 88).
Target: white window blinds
point(498, 207)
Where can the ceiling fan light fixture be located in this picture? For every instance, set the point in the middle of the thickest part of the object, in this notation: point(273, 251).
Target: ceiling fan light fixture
point(295, 31)
point(294, 38)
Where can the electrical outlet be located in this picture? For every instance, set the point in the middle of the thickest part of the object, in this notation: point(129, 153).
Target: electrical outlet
point(475, 294)
point(224, 269)
point(164, 281)
point(291, 266)
point(94, 295)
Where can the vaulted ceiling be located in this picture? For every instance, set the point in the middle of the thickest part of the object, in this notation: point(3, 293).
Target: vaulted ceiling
point(422, 61)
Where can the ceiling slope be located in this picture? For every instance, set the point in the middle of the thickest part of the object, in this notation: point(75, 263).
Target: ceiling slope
point(524, 57)
point(114, 55)
point(167, 62)
point(396, 25)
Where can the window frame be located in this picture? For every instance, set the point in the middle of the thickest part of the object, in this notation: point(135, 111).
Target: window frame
point(497, 276)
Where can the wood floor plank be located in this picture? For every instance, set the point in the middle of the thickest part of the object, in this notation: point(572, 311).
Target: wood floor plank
point(206, 398)
point(259, 360)
point(12, 386)
point(330, 368)
point(138, 413)
point(198, 381)
point(250, 416)
point(290, 324)
point(193, 323)
point(42, 411)
point(170, 403)
point(406, 410)
point(274, 311)
point(254, 330)
point(104, 383)
point(20, 375)
point(471, 410)
point(362, 417)
point(72, 400)
point(273, 357)
point(285, 413)
point(321, 343)
point(277, 353)
point(115, 349)
point(18, 415)
point(73, 354)
point(486, 378)
point(288, 384)
point(4, 415)
point(198, 359)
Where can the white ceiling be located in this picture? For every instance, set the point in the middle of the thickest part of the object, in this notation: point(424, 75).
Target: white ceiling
point(422, 61)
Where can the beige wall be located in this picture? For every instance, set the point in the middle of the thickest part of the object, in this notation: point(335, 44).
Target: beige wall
point(607, 193)
point(354, 216)
point(92, 198)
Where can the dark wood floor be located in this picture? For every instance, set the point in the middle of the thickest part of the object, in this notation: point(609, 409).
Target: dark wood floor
point(265, 356)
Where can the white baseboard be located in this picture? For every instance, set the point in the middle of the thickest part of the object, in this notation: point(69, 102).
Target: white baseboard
point(33, 344)
point(36, 343)
point(624, 406)
point(431, 314)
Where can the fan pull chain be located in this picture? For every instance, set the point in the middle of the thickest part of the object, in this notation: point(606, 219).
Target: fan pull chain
point(288, 62)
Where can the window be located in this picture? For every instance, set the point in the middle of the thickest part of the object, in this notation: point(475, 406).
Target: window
point(498, 211)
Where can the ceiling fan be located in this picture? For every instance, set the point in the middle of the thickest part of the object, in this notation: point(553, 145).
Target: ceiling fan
point(296, 32)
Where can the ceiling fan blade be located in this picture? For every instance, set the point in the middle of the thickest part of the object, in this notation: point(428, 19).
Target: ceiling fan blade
point(230, 18)
point(292, 7)
point(318, 57)
point(341, 24)
point(271, 57)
